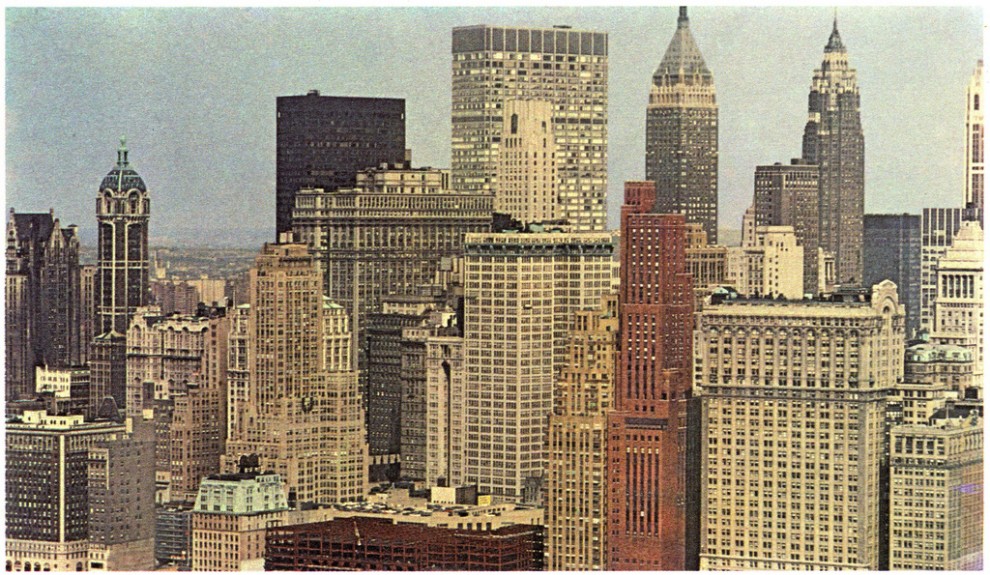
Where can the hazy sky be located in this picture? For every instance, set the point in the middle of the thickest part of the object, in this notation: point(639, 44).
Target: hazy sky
point(194, 91)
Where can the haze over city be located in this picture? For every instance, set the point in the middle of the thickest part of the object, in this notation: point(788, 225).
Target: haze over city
point(194, 92)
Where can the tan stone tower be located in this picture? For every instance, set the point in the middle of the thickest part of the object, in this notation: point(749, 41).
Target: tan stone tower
point(577, 490)
point(302, 415)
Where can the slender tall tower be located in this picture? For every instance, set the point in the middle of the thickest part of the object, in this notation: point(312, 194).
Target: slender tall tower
point(682, 133)
point(653, 460)
point(974, 141)
point(833, 139)
point(122, 212)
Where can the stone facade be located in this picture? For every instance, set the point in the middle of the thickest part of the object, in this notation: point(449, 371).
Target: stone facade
point(794, 397)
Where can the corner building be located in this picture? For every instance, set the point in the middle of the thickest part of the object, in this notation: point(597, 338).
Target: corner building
point(652, 460)
point(682, 133)
point(793, 402)
point(493, 65)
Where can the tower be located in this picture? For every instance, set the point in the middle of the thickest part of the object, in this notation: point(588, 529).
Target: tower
point(577, 491)
point(652, 469)
point(565, 68)
point(122, 212)
point(833, 139)
point(43, 315)
point(302, 412)
point(682, 133)
point(520, 293)
point(974, 141)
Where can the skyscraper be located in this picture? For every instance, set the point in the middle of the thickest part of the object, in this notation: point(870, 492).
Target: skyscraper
point(974, 141)
point(682, 133)
point(520, 293)
point(43, 317)
point(794, 397)
point(833, 139)
point(653, 465)
point(323, 141)
point(493, 65)
point(123, 210)
point(302, 416)
point(892, 251)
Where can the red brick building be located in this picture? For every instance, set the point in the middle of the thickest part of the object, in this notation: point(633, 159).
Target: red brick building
point(378, 544)
point(653, 452)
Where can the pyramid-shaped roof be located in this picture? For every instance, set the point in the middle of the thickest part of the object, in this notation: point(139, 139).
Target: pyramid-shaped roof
point(683, 60)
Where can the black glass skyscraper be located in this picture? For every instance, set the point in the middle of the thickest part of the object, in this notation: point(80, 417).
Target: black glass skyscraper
point(323, 141)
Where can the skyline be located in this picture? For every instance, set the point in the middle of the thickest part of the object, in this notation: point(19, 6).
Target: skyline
point(198, 111)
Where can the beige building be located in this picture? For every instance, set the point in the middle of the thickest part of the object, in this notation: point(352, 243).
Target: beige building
point(567, 68)
point(177, 366)
point(770, 263)
point(230, 517)
point(936, 495)
point(527, 168)
point(793, 404)
point(521, 291)
point(122, 500)
point(705, 262)
point(302, 416)
point(959, 299)
point(576, 497)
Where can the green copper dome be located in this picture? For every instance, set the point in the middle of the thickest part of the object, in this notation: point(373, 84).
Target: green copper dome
point(122, 177)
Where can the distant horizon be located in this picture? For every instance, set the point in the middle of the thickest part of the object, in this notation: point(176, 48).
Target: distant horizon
point(195, 97)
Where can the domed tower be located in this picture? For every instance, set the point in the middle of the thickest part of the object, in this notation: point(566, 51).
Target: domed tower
point(122, 212)
point(682, 133)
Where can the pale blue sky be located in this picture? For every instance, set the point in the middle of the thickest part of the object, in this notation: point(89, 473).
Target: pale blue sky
point(194, 91)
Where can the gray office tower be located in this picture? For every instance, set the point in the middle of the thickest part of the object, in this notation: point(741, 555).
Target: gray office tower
point(323, 141)
point(682, 133)
point(892, 251)
point(833, 139)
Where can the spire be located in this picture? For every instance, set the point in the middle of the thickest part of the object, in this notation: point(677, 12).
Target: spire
point(834, 40)
point(682, 61)
point(122, 153)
